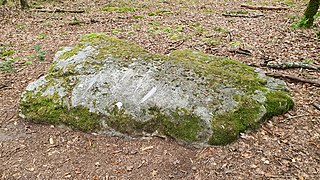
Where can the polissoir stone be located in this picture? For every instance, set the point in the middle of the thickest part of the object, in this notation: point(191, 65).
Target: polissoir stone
point(110, 85)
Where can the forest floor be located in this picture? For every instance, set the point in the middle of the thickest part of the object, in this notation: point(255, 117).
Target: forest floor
point(286, 147)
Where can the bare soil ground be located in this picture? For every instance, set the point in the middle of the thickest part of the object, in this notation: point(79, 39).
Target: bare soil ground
point(286, 147)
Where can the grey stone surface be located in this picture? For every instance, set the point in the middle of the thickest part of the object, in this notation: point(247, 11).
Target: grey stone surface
point(170, 95)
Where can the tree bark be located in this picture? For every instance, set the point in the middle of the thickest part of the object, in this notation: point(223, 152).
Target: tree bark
point(24, 4)
point(309, 13)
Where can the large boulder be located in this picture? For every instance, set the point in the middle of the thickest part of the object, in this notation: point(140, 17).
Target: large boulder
point(110, 85)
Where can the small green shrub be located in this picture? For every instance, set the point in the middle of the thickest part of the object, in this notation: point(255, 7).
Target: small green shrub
point(40, 54)
point(7, 65)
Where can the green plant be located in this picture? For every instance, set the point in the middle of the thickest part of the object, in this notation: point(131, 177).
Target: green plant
point(28, 63)
point(21, 26)
point(40, 54)
point(179, 28)
point(7, 53)
point(304, 22)
point(6, 62)
point(7, 65)
point(119, 9)
point(220, 29)
point(235, 43)
point(166, 30)
point(159, 13)
point(301, 23)
point(138, 16)
point(41, 36)
point(211, 41)
point(308, 61)
point(116, 31)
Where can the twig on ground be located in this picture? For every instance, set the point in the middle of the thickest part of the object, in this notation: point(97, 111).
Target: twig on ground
point(241, 51)
point(263, 7)
point(242, 15)
point(286, 65)
point(58, 11)
point(316, 83)
point(316, 105)
point(174, 46)
point(302, 115)
point(3, 86)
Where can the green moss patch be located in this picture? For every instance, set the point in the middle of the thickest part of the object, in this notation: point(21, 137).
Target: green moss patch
point(179, 125)
point(224, 70)
point(50, 110)
point(227, 126)
point(277, 103)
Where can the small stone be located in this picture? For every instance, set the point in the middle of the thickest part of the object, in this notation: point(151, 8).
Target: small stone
point(194, 168)
point(129, 168)
point(67, 175)
point(253, 166)
point(51, 141)
point(97, 164)
point(154, 173)
point(30, 169)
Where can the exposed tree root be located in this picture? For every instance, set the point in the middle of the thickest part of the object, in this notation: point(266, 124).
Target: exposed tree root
point(58, 11)
point(316, 83)
point(241, 51)
point(316, 105)
point(263, 7)
point(242, 15)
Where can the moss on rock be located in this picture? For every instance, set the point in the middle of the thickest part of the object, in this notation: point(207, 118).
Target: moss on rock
point(227, 126)
point(50, 109)
point(185, 127)
point(277, 103)
point(220, 97)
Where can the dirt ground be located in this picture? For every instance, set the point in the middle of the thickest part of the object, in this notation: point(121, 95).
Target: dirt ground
point(286, 147)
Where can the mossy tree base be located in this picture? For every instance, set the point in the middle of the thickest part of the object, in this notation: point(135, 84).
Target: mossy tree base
point(309, 14)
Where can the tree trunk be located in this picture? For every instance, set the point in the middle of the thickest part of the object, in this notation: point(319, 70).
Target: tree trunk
point(24, 4)
point(311, 10)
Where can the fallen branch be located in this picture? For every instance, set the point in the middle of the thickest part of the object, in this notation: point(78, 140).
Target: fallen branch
point(3, 86)
point(316, 105)
point(242, 15)
point(58, 11)
point(241, 51)
point(286, 65)
point(316, 83)
point(263, 7)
